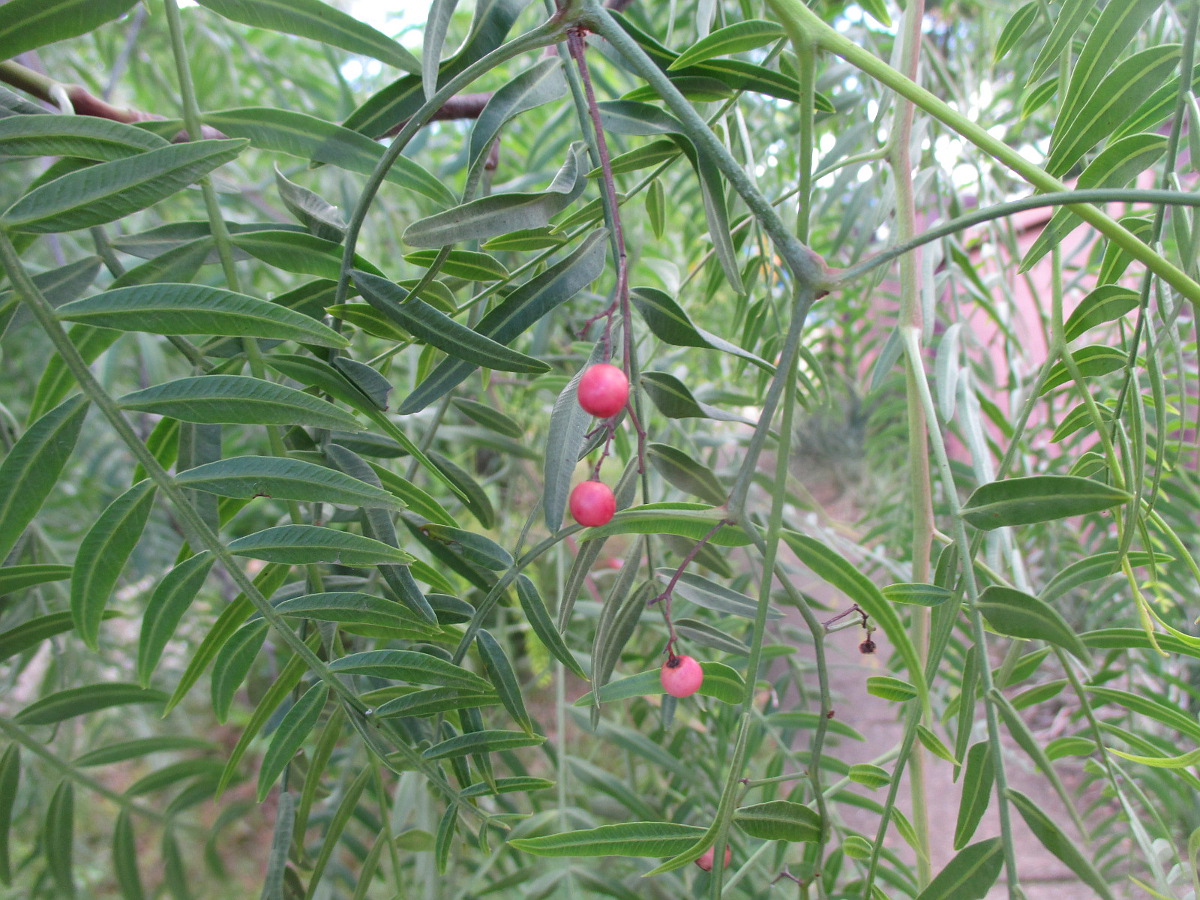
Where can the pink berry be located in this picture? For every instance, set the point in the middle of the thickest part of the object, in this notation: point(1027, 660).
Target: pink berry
point(706, 858)
point(593, 503)
point(681, 676)
point(603, 391)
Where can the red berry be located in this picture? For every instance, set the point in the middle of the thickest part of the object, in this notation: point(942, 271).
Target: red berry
point(706, 858)
point(681, 676)
point(603, 391)
point(593, 503)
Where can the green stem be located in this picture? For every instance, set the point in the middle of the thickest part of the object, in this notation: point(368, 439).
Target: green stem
point(899, 159)
point(191, 120)
point(802, 25)
point(1000, 210)
point(975, 617)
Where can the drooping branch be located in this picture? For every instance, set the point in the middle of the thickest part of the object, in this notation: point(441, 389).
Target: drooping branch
point(84, 103)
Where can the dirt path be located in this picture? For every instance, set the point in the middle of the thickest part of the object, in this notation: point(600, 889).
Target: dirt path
point(1043, 876)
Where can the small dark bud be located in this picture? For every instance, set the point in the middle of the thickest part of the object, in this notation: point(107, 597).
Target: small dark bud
point(867, 647)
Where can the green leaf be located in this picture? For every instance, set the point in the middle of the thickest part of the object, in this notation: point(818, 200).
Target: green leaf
point(170, 600)
point(18, 578)
point(197, 309)
point(1015, 29)
point(1106, 303)
point(516, 784)
point(410, 666)
point(80, 701)
point(233, 662)
point(125, 853)
point(1018, 614)
point(482, 742)
point(502, 213)
point(354, 608)
point(1185, 761)
point(669, 323)
point(691, 520)
point(237, 400)
point(779, 820)
point(500, 673)
point(675, 401)
point(1093, 568)
point(434, 39)
point(1059, 844)
point(686, 474)
point(716, 212)
point(57, 380)
point(439, 330)
point(887, 688)
point(28, 24)
point(1070, 16)
point(291, 733)
point(282, 685)
point(516, 313)
point(305, 544)
point(123, 750)
point(316, 21)
point(489, 418)
point(312, 138)
point(102, 555)
point(535, 86)
point(112, 190)
point(655, 839)
point(1093, 362)
point(720, 682)
point(467, 264)
point(10, 776)
point(736, 38)
point(656, 208)
point(539, 620)
point(970, 875)
point(32, 466)
point(870, 776)
point(1115, 27)
point(284, 479)
point(320, 217)
point(476, 548)
point(59, 837)
point(709, 594)
point(472, 494)
point(413, 497)
point(431, 701)
point(1038, 498)
point(917, 594)
point(85, 137)
point(978, 778)
point(1131, 82)
point(297, 252)
point(33, 631)
point(267, 582)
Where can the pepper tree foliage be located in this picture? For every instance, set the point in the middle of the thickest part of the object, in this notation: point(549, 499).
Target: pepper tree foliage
point(292, 322)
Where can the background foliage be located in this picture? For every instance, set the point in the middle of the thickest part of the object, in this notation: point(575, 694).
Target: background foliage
point(288, 600)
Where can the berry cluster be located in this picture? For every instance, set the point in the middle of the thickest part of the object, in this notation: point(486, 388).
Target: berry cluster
point(603, 392)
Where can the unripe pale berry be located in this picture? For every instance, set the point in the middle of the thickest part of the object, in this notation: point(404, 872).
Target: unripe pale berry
point(681, 676)
point(603, 391)
point(593, 503)
point(706, 858)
